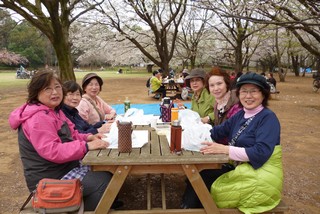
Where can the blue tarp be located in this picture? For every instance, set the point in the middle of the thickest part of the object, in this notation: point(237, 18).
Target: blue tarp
point(150, 108)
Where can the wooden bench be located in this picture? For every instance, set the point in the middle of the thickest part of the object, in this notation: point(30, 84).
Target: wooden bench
point(280, 209)
point(156, 95)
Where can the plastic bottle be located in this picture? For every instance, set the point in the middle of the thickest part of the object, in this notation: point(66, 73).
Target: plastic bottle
point(175, 138)
point(174, 114)
point(126, 104)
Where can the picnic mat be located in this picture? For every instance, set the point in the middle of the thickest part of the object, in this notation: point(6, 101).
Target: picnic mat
point(150, 108)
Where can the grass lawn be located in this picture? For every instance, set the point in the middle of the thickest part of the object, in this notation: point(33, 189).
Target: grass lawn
point(9, 81)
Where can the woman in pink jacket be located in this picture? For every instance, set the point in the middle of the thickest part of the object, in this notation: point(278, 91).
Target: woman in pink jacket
point(49, 145)
point(91, 107)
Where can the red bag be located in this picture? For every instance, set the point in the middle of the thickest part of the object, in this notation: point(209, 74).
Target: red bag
point(56, 196)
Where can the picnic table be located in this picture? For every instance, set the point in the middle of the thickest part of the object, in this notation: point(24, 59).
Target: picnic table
point(153, 158)
point(173, 86)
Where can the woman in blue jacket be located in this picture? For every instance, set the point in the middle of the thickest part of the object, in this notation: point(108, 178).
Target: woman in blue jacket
point(73, 94)
point(252, 181)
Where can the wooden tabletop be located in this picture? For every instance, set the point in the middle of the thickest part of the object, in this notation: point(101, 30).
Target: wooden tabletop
point(155, 152)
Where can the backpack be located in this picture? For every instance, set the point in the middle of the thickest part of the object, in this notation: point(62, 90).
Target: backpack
point(148, 83)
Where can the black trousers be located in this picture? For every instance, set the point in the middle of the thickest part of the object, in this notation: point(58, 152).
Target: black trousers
point(190, 198)
point(162, 89)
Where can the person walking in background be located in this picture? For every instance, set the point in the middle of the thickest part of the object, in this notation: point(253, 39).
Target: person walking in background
point(73, 94)
point(202, 101)
point(92, 108)
point(252, 181)
point(156, 83)
point(49, 145)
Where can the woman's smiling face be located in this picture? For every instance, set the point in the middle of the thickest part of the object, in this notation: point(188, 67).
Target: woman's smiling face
point(93, 88)
point(250, 96)
point(217, 86)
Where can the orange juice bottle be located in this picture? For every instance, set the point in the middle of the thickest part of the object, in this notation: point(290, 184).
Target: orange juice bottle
point(174, 114)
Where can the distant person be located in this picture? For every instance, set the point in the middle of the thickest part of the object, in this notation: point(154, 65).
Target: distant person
point(92, 108)
point(73, 94)
point(271, 79)
point(233, 76)
point(233, 85)
point(156, 83)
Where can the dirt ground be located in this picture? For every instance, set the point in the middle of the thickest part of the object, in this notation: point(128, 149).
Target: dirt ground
point(297, 107)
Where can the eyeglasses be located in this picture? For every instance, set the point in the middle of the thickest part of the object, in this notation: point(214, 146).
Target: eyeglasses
point(251, 92)
point(49, 90)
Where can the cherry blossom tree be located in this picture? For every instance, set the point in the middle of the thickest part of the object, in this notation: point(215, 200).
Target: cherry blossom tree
point(9, 58)
point(160, 20)
point(53, 19)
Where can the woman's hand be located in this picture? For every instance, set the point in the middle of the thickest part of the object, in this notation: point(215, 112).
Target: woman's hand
point(110, 116)
point(205, 119)
point(97, 136)
point(97, 144)
point(214, 148)
point(105, 128)
point(179, 104)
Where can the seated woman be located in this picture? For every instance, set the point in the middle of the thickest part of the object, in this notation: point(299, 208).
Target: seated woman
point(49, 145)
point(92, 108)
point(156, 83)
point(202, 101)
point(227, 102)
point(252, 181)
point(73, 94)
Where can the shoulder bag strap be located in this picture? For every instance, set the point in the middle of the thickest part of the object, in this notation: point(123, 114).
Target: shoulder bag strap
point(94, 106)
point(26, 202)
point(243, 127)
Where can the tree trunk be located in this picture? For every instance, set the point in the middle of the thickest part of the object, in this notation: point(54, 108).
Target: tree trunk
point(193, 62)
point(238, 58)
point(63, 52)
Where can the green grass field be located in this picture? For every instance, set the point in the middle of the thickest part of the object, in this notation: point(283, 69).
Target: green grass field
point(9, 81)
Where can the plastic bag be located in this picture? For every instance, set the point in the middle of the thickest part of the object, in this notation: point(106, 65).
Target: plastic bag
point(194, 131)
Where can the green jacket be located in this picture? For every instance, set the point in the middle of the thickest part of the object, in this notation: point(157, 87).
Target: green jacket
point(250, 190)
point(205, 104)
point(155, 83)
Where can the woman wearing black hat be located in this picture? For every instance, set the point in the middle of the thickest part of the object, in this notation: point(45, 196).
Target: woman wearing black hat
point(202, 101)
point(92, 108)
point(252, 182)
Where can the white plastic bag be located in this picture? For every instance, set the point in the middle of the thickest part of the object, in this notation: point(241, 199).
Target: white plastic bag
point(194, 131)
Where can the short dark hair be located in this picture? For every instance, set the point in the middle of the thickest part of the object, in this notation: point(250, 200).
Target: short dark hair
point(71, 86)
point(155, 73)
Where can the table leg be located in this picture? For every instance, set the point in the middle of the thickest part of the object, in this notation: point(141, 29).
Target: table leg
point(113, 189)
point(200, 188)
